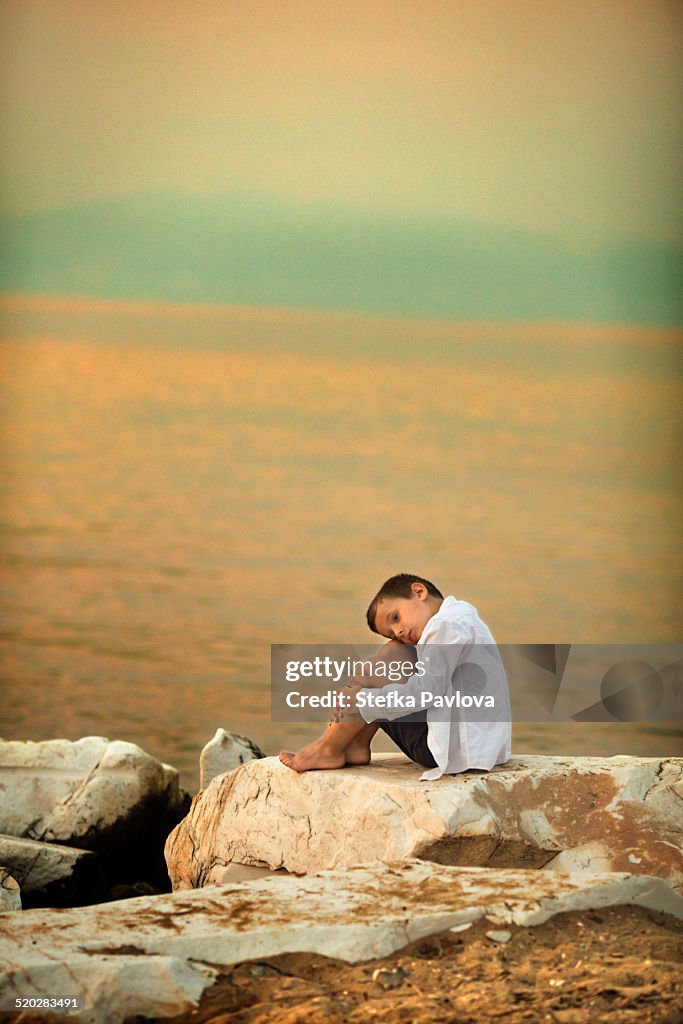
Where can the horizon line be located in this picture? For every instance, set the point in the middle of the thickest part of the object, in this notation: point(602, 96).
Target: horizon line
point(577, 330)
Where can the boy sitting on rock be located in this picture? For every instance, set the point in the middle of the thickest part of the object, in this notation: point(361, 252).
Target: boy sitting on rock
point(446, 638)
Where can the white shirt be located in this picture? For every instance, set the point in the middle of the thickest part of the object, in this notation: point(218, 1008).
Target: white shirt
point(456, 745)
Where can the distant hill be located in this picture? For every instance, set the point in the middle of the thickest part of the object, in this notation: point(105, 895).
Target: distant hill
point(241, 249)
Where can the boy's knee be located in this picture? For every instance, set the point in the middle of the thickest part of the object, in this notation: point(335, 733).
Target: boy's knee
point(394, 650)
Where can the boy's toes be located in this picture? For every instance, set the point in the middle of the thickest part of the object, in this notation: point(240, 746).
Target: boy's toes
point(288, 759)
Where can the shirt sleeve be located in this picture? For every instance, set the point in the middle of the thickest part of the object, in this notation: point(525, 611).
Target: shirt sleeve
point(439, 660)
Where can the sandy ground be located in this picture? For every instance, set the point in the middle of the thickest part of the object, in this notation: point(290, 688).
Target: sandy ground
point(619, 965)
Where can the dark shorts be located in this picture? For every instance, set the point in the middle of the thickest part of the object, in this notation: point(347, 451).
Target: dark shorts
point(410, 735)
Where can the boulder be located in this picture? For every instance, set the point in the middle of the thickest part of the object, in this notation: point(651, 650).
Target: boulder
point(571, 813)
point(51, 875)
point(10, 893)
point(106, 796)
point(153, 957)
point(227, 750)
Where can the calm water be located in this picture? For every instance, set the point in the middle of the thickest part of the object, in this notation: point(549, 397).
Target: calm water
point(179, 492)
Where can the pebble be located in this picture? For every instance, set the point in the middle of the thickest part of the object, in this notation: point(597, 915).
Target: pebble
point(499, 936)
point(389, 979)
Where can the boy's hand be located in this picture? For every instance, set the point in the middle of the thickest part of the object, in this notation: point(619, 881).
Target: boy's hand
point(350, 691)
point(350, 710)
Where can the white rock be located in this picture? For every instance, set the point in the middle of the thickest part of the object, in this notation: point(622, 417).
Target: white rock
point(154, 956)
point(10, 892)
point(242, 873)
point(527, 813)
point(59, 790)
point(50, 874)
point(593, 856)
point(227, 750)
point(96, 794)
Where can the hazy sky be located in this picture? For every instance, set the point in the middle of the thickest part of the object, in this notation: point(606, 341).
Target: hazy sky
point(558, 115)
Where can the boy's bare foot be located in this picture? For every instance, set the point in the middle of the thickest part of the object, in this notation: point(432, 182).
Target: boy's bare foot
point(318, 755)
point(341, 744)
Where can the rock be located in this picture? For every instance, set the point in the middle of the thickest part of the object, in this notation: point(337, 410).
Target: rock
point(532, 812)
point(242, 873)
point(153, 957)
point(10, 893)
point(389, 978)
point(106, 796)
point(227, 750)
point(499, 936)
point(51, 875)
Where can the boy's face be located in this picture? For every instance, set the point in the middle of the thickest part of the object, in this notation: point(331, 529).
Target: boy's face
point(404, 618)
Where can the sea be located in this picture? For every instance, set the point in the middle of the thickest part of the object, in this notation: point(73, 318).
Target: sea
point(183, 486)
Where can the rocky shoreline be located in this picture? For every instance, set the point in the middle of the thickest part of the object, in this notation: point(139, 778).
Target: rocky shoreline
point(285, 885)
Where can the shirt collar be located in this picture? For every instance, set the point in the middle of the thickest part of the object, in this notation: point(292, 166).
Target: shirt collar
point(446, 604)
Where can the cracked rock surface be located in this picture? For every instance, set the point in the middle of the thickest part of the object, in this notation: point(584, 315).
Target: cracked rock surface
point(157, 955)
point(561, 813)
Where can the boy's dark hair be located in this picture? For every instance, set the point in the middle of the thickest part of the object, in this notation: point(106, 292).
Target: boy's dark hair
point(398, 586)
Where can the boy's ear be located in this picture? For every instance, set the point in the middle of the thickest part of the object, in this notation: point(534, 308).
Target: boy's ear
point(419, 591)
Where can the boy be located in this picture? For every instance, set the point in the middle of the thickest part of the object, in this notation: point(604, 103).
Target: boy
point(448, 636)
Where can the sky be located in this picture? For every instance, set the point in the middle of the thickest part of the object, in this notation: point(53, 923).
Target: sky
point(534, 125)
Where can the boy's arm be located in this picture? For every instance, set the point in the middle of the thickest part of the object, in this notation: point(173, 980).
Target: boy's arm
point(401, 657)
point(439, 662)
point(404, 655)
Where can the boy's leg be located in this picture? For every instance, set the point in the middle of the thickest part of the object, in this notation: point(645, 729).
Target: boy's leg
point(358, 750)
point(410, 736)
point(342, 743)
point(346, 742)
